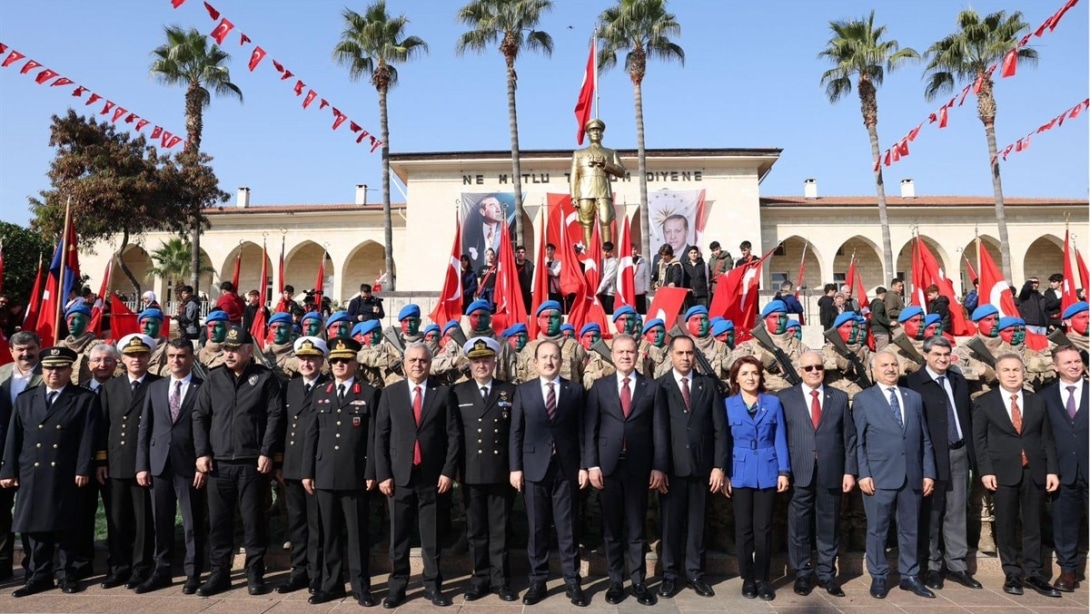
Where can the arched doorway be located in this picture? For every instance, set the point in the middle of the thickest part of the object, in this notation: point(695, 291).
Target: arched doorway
point(364, 265)
point(138, 263)
point(301, 268)
point(868, 263)
point(1044, 257)
point(969, 253)
point(249, 277)
point(904, 259)
point(784, 264)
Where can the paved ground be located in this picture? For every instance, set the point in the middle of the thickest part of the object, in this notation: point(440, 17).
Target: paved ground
point(728, 598)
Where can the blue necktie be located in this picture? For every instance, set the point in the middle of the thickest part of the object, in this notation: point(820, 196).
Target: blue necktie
point(895, 405)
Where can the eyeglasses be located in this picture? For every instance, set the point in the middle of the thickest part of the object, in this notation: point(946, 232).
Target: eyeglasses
point(809, 368)
point(337, 361)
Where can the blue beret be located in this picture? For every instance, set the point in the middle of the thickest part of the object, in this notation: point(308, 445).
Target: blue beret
point(412, 310)
point(847, 316)
point(590, 327)
point(450, 325)
point(697, 310)
point(908, 313)
point(515, 330)
point(1078, 307)
point(281, 317)
point(722, 326)
point(984, 311)
point(772, 307)
point(220, 316)
point(358, 329)
point(295, 328)
point(932, 318)
point(79, 307)
point(716, 320)
point(794, 324)
point(311, 315)
point(366, 328)
point(860, 318)
point(546, 306)
point(431, 328)
point(652, 323)
point(567, 326)
point(149, 313)
point(337, 316)
point(625, 310)
point(478, 305)
point(1009, 321)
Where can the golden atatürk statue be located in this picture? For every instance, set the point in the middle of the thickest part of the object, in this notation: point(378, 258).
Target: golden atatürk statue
point(590, 188)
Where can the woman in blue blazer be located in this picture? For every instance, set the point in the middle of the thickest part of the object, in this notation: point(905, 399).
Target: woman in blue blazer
point(760, 469)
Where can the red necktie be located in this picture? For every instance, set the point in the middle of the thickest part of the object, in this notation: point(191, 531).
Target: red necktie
point(550, 403)
point(815, 408)
point(685, 393)
point(418, 405)
point(1016, 420)
point(626, 398)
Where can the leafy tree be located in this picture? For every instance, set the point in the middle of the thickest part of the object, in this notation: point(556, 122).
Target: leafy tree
point(965, 56)
point(188, 60)
point(644, 28)
point(370, 45)
point(116, 183)
point(857, 51)
point(512, 23)
point(22, 249)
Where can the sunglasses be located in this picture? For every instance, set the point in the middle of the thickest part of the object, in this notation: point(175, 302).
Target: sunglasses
point(338, 361)
point(809, 368)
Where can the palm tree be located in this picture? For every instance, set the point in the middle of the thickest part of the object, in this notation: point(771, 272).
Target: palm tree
point(965, 56)
point(514, 24)
point(188, 60)
point(173, 263)
point(857, 51)
point(371, 44)
point(644, 28)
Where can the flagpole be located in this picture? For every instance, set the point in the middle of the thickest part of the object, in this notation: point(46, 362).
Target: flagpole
point(594, 53)
point(63, 272)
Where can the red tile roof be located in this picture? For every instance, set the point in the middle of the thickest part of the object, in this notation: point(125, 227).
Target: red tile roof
point(919, 201)
point(316, 208)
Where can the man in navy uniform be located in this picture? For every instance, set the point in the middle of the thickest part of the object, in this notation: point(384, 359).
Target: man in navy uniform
point(484, 412)
point(339, 469)
point(48, 456)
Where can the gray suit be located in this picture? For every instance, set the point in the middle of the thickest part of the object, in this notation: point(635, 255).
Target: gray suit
point(820, 457)
point(897, 459)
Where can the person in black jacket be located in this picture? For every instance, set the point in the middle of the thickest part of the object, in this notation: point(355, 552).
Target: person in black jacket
point(1031, 306)
point(940, 305)
point(827, 309)
point(189, 314)
point(236, 432)
point(303, 528)
point(365, 306)
point(1051, 300)
point(696, 277)
point(339, 469)
point(128, 505)
point(667, 271)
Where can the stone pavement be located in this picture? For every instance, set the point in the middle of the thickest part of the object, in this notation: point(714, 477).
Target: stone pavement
point(953, 598)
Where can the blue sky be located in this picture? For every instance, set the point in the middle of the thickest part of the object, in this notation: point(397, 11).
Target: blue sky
point(751, 79)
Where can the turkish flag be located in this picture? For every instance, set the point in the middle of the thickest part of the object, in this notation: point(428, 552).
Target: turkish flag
point(62, 277)
point(45, 75)
point(1010, 63)
point(563, 218)
point(118, 112)
point(103, 292)
point(221, 31)
point(12, 58)
point(92, 99)
point(626, 270)
point(256, 56)
point(1068, 296)
point(927, 271)
point(995, 291)
point(736, 297)
point(972, 272)
point(339, 118)
point(508, 308)
point(541, 276)
point(449, 306)
point(667, 303)
point(942, 117)
point(280, 267)
point(571, 277)
point(585, 104)
point(177, 3)
point(1084, 273)
point(855, 284)
point(213, 13)
point(587, 308)
point(319, 282)
point(29, 66)
point(298, 89)
point(311, 95)
point(171, 142)
point(915, 131)
point(257, 329)
point(122, 319)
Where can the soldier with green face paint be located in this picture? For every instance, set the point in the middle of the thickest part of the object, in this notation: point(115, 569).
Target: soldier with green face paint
point(572, 354)
point(338, 326)
point(80, 340)
point(698, 327)
point(795, 328)
point(1038, 365)
point(380, 362)
point(479, 314)
point(516, 337)
point(150, 322)
point(280, 351)
point(211, 353)
point(653, 353)
point(840, 371)
point(313, 325)
point(970, 358)
point(596, 366)
point(723, 331)
point(914, 332)
point(449, 361)
point(408, 326)
point(774, 321)
point(626, 321)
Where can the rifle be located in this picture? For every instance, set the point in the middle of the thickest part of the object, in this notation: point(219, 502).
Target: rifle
point(390, 335)
point(902, 342)
point(459, 336)
point(1059, 338)
point(858, 369)
point(787, 368)
point(976, 344)
point(603, 350)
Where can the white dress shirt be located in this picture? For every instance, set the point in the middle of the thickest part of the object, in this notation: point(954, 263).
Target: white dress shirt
point(185, 382)
point(545, 389)
point(900, 400)
point(809, 397)
point(631, 382)
point(487, 387)
point(1006, 396)
point(19, 382)
point(1077, 392)
point(412, 390)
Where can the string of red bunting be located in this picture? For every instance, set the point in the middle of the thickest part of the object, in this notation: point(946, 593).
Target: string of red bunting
point(223, 29)
point(1007, 67)
point(1022, 144)
point(166, 138)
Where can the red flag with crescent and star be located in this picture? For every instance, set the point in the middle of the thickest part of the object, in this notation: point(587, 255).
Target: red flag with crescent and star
point(449, 306)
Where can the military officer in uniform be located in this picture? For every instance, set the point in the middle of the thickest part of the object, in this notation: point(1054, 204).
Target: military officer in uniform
point(654, 353)
point(479, 315)
point(48, 457)
point(80, 340)
point(846, 362)
point(380, 362)
point(597, 365)
point(130, 532)
point(781, 371)
point(572, 354)
point(280, 353)
point(151, 324)
point(484, 411)
point(909, 344)
point(303, 528)
point(339, 469)
point(211, 353)
point(517, 336)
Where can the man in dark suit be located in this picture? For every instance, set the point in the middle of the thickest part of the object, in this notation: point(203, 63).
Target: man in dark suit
point(22, 373)
point(896, 469)
point(1068, 411)
point(626, 452)
point(303, 528)
point(417, 446)
point(128, 504)
point(700, 447)
point(546, 460)
point(483, 408)
point(166, 461)
point(1017, 459)
point(339, 469)
point(948, 413)
point(821, 444)
point(48, 456)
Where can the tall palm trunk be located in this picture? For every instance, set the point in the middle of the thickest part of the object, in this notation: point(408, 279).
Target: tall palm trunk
point(194, 126)
point(986, 109)
point(641, 166)
point(883, 214)
point(516, 164)
point(387, 216)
